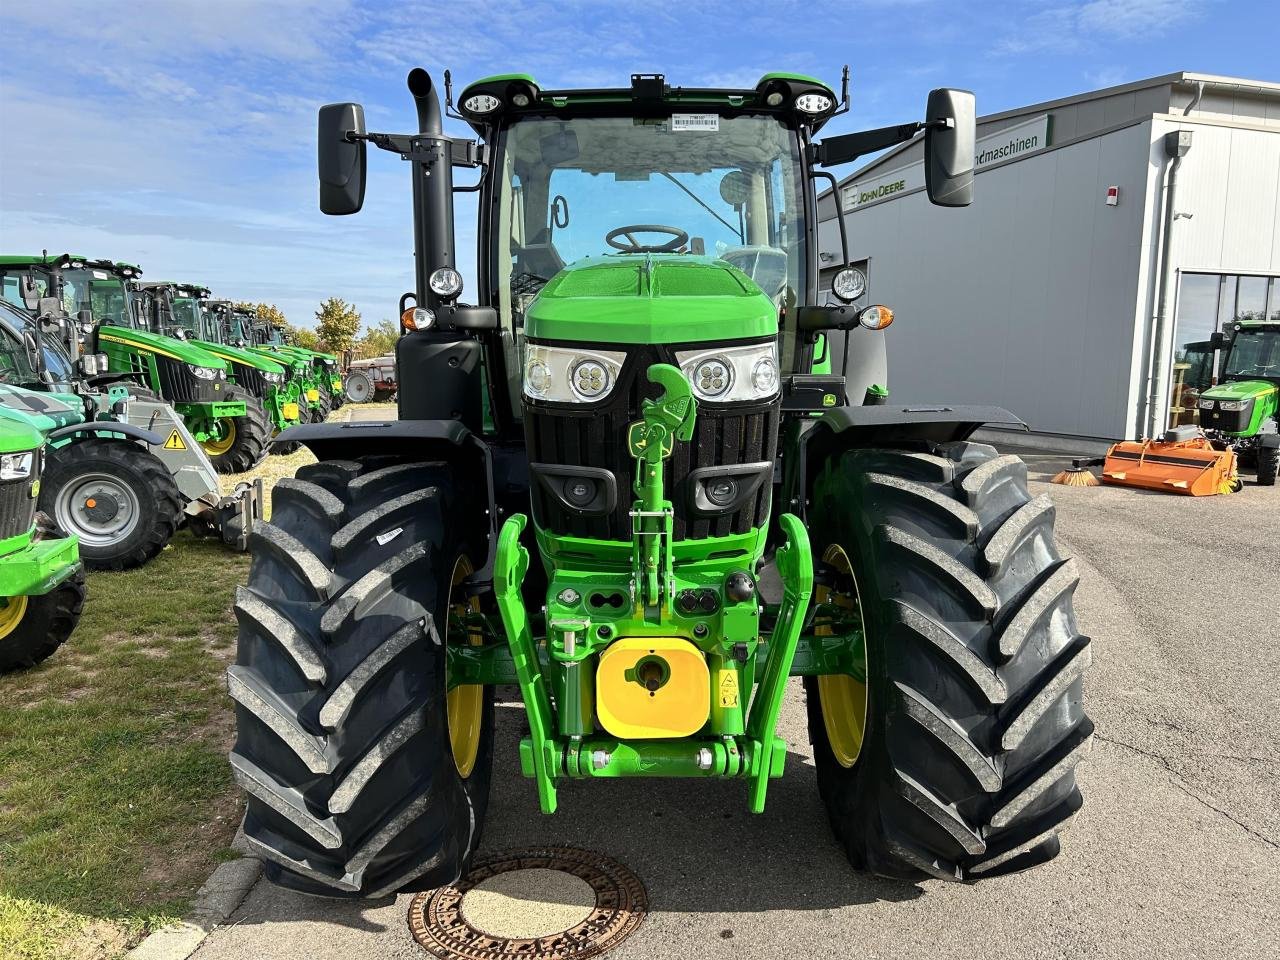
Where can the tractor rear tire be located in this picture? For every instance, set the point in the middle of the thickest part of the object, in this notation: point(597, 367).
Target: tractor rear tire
point(1268, 465)
point(973, 718)
point(47, 621)
point(252, 434)
point(343, 742)
point(135, 481)
point(358, 387)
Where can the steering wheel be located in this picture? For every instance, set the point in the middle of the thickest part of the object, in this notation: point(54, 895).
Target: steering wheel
point(678, 238)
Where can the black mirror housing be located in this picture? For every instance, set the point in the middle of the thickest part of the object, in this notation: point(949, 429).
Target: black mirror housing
point(815, 319)
point(341, 158)
point(461, 316)
point(950, 133)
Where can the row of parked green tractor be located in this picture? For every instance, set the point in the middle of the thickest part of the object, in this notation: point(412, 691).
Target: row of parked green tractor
point(120, 403)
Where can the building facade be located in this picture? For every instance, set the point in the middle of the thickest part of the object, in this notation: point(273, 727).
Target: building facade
point(1110, 233)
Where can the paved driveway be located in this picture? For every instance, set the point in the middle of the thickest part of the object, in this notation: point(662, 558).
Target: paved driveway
point(1174, 854)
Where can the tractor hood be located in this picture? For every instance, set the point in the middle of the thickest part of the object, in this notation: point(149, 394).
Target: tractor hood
point(40, 411)
point(241, 356)
point(181, 350)
point(17, 435)
point(650, 298)
point(296, 362)
point(1239, 390)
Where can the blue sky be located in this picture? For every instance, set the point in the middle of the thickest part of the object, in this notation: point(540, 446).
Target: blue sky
point(181, 135)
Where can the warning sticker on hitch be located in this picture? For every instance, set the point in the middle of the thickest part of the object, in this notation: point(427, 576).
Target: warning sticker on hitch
point(728, 688)
point(709, 122)
point(175, 442)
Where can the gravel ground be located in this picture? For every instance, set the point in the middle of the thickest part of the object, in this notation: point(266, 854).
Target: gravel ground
point(1176, 852)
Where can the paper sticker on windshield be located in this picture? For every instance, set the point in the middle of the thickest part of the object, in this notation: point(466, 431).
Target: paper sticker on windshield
point(695, 121)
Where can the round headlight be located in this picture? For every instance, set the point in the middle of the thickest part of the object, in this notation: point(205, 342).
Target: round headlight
point(849, 284)
point(774, 98)
point(589, 379)
point(764, 376)
point(712, 378)
point(580, 491)
point(722, 490)
point(445, 282)
point(520, 99)
point(876, 318)
point(814, 103)
point(537, 378)
point(481, 103)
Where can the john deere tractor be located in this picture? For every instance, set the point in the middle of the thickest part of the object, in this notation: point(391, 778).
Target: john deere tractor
point(1243, 409)
point(327, 373)
point(41, 579)
point(178, 310)
point(666, 514)
point(225, 419)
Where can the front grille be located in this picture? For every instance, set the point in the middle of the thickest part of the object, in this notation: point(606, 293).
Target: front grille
point(179, 385)
point(250, 378)
point(1228, 421)
point(596, 437)
point(17, 506)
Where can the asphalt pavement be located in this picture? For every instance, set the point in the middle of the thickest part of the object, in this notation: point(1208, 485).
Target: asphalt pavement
point(1176, 852)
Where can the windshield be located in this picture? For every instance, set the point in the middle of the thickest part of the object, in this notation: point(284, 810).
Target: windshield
point(187, 314)
point(15, 357)
point(726, 187)
point(100, 292)
point(1254, 353)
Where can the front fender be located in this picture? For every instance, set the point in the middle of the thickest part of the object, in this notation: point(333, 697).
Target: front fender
point(107, 426)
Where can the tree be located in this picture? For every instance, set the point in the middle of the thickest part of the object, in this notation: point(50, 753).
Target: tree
point(379, 340)
point(272, 314)
point(337, 323)
point(303, 337)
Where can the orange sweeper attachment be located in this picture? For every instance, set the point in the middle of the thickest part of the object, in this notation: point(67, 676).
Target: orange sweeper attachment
point(1184, 461)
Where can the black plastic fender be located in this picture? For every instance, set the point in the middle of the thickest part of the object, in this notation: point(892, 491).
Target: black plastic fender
point(108, 426)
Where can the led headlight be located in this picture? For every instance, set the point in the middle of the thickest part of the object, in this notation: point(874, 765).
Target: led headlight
point(481, 103)
point(16, 466)
point(270, 377)
point(89, 364)
point(849, 284)
point(567, 375)
point(204, 373)
point(445, 282)
point(727, 374)
point(814, 103)
point(1232, 406)
point(1206, 404)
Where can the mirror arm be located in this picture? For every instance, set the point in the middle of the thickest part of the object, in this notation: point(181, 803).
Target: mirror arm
point(466, 153)
point(834, 151)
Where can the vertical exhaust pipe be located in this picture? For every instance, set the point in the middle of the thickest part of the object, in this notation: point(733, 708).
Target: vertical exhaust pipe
point(432, 188)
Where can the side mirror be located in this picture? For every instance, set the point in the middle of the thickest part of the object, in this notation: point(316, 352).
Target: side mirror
point(30, 291)
point(951, 117)
point(1217, 340)
point(341, 160)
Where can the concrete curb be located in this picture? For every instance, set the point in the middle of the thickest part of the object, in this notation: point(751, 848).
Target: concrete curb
point(221, 894)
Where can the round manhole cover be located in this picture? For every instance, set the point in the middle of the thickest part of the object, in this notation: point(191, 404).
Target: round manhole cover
point(557, 903)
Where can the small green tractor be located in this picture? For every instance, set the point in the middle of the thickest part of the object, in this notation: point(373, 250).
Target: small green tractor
point(1242, 410)
point(225, 419)
point(180, 310)
point(327, 372)
point(623, 481)
point(41, 579)
point(122, 472)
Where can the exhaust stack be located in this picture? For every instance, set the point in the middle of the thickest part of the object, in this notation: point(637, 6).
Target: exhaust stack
point(432, 188)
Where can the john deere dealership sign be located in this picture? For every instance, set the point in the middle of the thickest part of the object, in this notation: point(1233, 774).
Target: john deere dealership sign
point(1030, 136)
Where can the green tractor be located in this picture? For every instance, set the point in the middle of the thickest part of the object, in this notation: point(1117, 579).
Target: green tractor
point(618, 482)
point(179, 310)
point(41, 579)
point(1242, 410)
point(328, 373)
point(225, 419)
point(241, 325)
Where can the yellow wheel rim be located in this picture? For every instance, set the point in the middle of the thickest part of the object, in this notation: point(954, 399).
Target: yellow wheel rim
point(843, 698)
point(12, 610)
point(465, 703)
point(216, 448)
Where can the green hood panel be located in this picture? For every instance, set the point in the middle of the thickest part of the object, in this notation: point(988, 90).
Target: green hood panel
point(17, 436)
point(1239, 390)
point(39, 411)
point(165, 346)
point(241, 356)
point(650, 298)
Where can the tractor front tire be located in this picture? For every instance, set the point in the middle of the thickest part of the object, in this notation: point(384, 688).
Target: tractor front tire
point(248, 442)
point(116, 496)
point(343, 744)
point(971, 720)
point(1268, 465)
point(32, 628)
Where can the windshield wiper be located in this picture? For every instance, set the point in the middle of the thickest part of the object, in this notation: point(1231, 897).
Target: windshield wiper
point(703, 204)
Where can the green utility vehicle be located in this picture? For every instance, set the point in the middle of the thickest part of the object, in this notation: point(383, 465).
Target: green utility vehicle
point(665, 514)
point(41, 579)
point(178, 310)
point(1243, 409)
point(328, 373)
point(223, 417)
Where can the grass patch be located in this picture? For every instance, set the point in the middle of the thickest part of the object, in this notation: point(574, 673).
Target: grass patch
point(116, 801)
